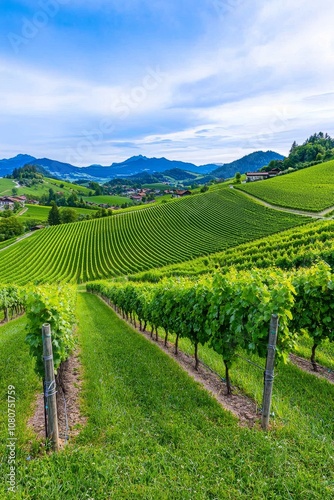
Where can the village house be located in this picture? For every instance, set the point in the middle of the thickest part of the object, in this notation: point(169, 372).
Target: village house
point(8, 202)
point(179, 193)
point(260, 176)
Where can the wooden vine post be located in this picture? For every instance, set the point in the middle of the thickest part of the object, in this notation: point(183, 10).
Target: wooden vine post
point(269, 372)
point(50, 388)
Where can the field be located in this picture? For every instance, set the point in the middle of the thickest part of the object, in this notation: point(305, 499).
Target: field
point(137, 241)
point(6, 186)
point(156, 434)
point(309, 189)
point(109, 200)
point(40, 212)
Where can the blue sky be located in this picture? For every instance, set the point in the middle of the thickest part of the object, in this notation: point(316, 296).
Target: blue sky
point(97, 81)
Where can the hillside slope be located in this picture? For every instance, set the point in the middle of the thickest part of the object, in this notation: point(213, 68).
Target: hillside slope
point(140, 240)
point(309, 189)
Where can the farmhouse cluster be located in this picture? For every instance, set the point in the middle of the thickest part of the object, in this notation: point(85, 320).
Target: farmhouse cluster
point(8, 202)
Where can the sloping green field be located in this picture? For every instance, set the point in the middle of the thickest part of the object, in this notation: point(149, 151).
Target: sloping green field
point(133, 242)
point(309, 189)
point(6, 186)
point(40, 212)
point(108, 200)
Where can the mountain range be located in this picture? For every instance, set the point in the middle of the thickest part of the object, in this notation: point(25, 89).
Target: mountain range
point(137, 165)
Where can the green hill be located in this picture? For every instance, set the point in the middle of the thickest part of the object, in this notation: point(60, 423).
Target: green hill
point(309, 189)
point(141, 240)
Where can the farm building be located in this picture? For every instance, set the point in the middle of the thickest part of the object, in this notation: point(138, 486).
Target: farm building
point(180, 193)
point(260, 176)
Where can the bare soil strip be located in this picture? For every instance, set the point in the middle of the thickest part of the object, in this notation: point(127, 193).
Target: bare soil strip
point(70, 421)
point(306, 366)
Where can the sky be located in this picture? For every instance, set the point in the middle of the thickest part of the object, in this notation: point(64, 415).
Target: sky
point(98, 81)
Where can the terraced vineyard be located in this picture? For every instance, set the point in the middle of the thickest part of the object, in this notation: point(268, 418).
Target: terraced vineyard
point(137, 241)
point(296, 247)
point(309, 189)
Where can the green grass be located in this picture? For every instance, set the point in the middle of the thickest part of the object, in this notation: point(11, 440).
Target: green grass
point(324, 352)
point(153, 433)
point(6, 186)
point(134, 242)
point(17, 369)
point(40, 212)
point(37, 212)
point(309, 189)
point(43, 188)
point(110, 200)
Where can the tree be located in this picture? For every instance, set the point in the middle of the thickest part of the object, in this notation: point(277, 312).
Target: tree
point(52, 196)
point(10, 227)
point(238, 178)
point(54, 216)
point(68, 215)
point(14, 191)
point(204, 188)
point(72, 200)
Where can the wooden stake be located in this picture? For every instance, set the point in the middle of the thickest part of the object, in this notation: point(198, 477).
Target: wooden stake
point(269, 372)
point(50, 388)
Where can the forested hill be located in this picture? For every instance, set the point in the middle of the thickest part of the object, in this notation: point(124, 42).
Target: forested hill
point(250, 163)
point(317, 148)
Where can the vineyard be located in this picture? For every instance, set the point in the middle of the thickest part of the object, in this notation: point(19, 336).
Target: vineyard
point(137, 241)
point(298, 247)
point(154, 433)
point(309, 189)
point(150, 429)
point(232, 311)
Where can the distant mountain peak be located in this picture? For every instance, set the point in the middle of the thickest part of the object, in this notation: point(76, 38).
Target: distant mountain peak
point(138, 164)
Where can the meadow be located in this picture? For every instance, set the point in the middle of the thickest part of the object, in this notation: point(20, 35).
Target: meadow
point(6, 186)
point(40, 212)
point(108, 200)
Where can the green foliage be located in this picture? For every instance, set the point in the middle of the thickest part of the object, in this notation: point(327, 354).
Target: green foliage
point(314, 309)
point(238, 178)
point(54, 215)
point(12, 300)
point(53, 304)
point(231, 311)
point(67, 215)
point(10, 227)
point(164, 234)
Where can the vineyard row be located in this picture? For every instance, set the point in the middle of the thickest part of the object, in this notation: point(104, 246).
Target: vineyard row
point(232, 311)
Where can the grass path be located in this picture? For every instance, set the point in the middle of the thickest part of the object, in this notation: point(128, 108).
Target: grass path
point(154, 434)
